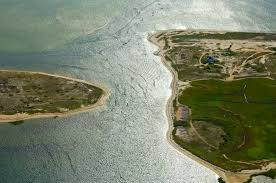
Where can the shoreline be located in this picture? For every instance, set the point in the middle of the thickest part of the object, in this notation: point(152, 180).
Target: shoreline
point(226, 175)
point(169, 108)
point(25, 116)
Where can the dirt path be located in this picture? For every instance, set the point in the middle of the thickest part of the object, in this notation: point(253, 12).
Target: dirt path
point(242, 162)
point(196, 132)
point(244, 94)
point(239, 68)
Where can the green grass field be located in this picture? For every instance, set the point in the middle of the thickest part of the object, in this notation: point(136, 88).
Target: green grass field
point(245, 110)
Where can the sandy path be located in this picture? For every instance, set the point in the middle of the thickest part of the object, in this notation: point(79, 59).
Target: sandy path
point(196, 132)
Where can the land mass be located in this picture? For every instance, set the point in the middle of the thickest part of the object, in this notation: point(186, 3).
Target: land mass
point(222, 111)
point(27, 95)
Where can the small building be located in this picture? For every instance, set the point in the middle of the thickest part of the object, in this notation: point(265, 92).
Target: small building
point(210, 60)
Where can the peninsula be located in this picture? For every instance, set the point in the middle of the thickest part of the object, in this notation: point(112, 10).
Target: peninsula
point(27, 95)
point(222, 111)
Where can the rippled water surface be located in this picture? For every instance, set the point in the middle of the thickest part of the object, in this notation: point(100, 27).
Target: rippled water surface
point(124, 141)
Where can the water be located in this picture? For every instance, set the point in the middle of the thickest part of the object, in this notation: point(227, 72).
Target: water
point(124, 141)
point(32, 25)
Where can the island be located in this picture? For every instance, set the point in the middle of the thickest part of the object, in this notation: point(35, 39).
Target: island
point(27, 95)
point(222, 111)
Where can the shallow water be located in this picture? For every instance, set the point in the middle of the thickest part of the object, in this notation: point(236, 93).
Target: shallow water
point(124, 141)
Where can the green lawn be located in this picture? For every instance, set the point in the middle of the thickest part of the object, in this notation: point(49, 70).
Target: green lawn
point(249, 125)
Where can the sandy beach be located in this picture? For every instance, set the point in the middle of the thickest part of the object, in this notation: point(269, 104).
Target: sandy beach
point(25, 116)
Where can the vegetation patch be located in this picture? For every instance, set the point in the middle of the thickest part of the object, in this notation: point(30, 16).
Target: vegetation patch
point(32, 93)
point(220, 180)
point(15, 123)
point(225, 36)
point(227, 82)
point(245, 120)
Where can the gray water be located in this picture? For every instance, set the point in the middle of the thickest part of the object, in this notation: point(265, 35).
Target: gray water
point(125, 140)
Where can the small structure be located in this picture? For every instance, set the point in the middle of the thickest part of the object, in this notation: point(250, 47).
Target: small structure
point(229, 48)
point(210, 60)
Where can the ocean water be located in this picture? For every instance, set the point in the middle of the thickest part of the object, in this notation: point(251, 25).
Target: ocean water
point(32, 25)
point(125, 140)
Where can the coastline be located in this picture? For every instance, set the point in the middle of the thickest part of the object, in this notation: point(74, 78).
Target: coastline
point(227, 176)
point(25, 116)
